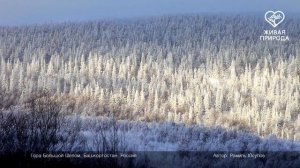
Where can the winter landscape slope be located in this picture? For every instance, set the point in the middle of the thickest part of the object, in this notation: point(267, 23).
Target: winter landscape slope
point(172, 83)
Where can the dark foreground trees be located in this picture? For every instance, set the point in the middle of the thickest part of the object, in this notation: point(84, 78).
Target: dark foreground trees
point(32, 127)
point(39, 125)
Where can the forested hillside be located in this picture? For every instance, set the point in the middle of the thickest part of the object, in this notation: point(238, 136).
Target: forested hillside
point(186, 73)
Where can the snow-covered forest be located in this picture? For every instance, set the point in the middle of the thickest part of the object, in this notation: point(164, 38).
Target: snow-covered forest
point(163, 82)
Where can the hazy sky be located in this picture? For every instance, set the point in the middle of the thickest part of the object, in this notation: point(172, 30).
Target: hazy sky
point(16, 12)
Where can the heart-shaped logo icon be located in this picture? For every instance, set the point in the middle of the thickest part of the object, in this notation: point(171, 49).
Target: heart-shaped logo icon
point(274, 18)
